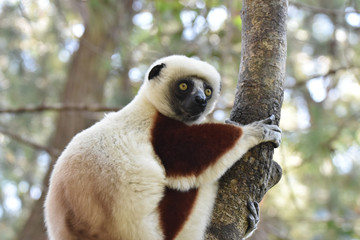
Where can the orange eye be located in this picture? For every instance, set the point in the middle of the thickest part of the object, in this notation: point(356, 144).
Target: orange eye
point(208, 92)
point(183, 86)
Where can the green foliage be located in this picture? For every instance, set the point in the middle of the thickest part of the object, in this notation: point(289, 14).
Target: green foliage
point(237, 22)
point(321, 85)
point(318, 195)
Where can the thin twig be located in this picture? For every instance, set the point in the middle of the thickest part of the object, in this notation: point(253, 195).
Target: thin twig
point(52, 151)
point(320, 9)
point(66, 107)
point(330, 72)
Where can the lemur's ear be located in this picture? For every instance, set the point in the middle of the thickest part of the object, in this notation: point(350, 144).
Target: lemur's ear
point(155, 71)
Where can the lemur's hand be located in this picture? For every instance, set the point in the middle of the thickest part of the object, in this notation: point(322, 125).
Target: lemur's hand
point(262, 131)
point(271, 132)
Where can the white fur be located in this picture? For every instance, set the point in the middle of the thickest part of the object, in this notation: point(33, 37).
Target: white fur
point(113, 161)
point(201, 214)
point(110, 180)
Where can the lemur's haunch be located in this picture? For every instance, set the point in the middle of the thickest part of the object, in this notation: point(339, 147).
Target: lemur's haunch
point(150, 170)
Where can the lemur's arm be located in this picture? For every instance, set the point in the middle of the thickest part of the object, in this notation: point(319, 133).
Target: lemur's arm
point(199, 154)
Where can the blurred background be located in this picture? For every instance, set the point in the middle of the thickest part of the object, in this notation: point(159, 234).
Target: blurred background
point(63, 64)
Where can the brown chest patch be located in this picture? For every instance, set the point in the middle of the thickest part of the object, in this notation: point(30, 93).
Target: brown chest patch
point(188, 150)
point(175, 208)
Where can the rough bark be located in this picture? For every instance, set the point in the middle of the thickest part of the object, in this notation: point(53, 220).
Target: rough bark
point(85, 84)
point(259, 94)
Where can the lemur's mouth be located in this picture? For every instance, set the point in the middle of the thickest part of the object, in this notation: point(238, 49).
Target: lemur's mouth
point(190, 112)
point(195, 110)
point(192, 117)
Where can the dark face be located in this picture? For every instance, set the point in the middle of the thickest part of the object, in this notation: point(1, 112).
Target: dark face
point(189, 98)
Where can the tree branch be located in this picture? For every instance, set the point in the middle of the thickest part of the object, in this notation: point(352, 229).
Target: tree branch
point(259, 94)
point(319, 9)
point(330, 72)
point(52, 151)
point(60, 107)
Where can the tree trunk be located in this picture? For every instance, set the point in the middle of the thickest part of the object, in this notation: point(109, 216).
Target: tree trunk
point(84, 85)
point(259, 94)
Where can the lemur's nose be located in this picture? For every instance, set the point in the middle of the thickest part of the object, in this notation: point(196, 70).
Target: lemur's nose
point(200, 99)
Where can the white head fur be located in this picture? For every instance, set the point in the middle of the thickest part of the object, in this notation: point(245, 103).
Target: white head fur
point(178, 67)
